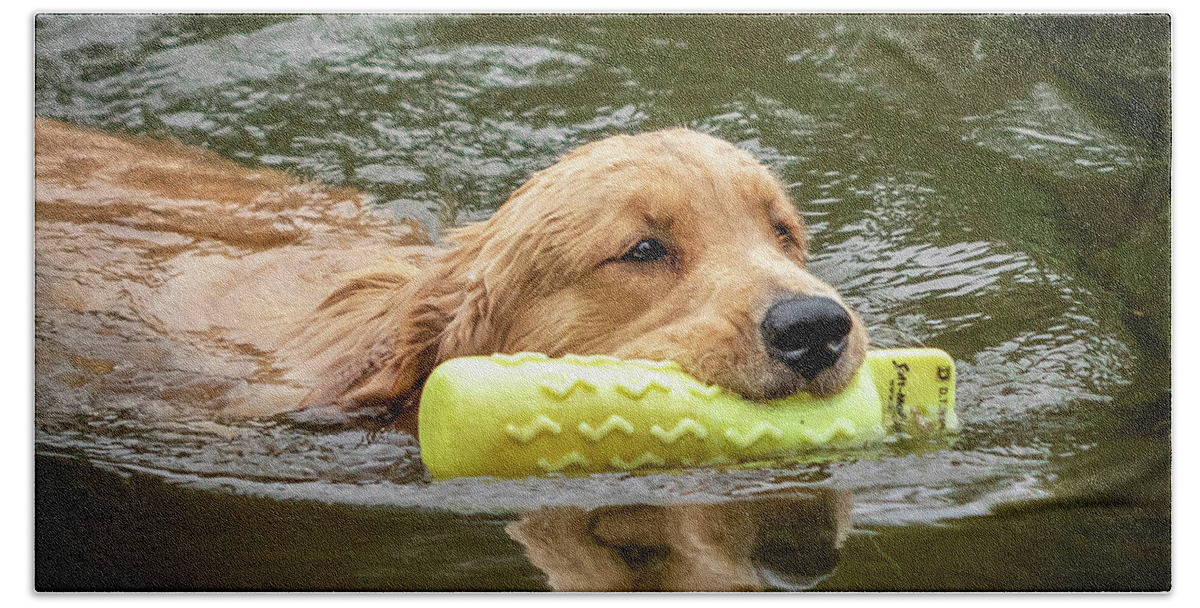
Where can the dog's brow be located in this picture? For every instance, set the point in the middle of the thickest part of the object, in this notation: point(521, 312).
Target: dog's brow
point(651, 209)
point(780, 209)
point(774, 211)
point(658, 223)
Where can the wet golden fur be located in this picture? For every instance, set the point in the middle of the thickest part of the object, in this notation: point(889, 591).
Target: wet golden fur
point(344, 313)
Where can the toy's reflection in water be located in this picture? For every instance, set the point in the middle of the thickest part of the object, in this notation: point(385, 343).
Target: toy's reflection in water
point(782, 542)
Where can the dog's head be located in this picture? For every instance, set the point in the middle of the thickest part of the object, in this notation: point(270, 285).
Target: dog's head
point(671, 245)
point(667, 245)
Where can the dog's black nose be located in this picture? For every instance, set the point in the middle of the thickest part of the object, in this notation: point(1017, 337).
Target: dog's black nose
point(806, 333)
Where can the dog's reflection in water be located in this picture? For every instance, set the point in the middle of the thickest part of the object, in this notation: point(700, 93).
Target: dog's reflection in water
point(781, 542)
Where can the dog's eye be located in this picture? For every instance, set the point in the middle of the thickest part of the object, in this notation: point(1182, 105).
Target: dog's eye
point(784, 234)
point(646, 250)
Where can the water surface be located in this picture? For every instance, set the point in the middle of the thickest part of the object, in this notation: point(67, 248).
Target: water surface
point(996, 186)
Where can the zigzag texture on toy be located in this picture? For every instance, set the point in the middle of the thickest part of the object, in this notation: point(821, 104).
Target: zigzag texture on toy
point(528, 414)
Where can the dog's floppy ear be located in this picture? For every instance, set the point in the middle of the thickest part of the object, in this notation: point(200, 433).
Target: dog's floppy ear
point(365, 351)
point(499, 265)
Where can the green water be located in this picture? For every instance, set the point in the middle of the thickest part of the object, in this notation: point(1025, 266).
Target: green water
point(997, 186)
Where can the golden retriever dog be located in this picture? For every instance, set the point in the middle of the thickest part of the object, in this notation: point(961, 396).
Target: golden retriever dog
point(284, 296)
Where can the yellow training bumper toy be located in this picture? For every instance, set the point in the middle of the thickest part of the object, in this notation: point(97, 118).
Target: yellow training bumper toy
point(527, 414)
